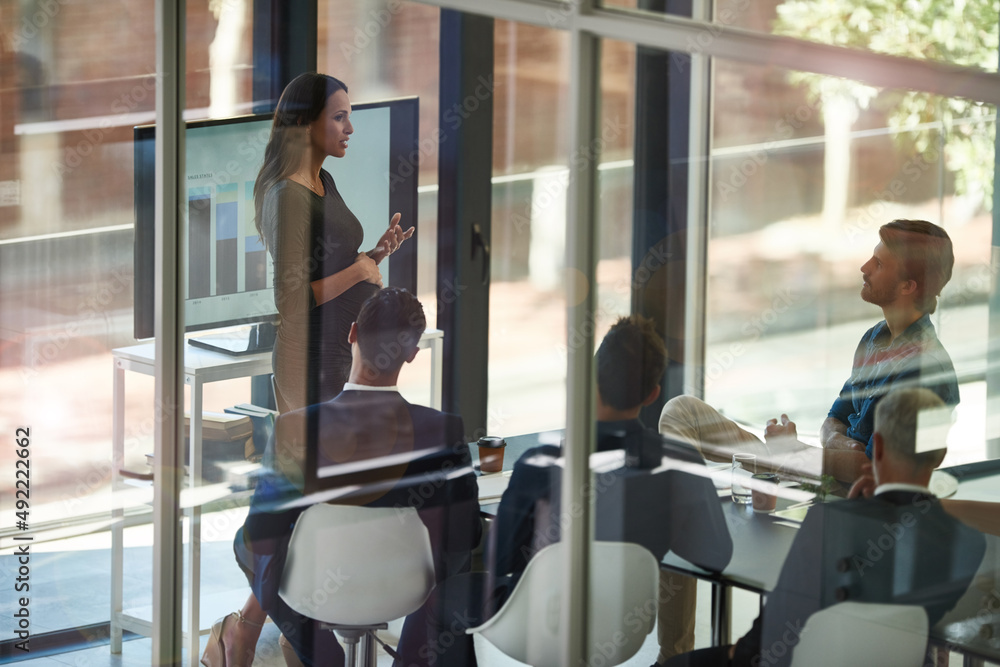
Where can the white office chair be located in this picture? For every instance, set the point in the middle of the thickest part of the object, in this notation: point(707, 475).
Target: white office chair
point(861, 633)
point(356, 568)
point(623, 588)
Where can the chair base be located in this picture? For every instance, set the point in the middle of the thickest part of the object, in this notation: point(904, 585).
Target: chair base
point(359, 642)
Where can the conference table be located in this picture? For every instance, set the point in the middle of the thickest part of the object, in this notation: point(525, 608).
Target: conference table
point(762, 541)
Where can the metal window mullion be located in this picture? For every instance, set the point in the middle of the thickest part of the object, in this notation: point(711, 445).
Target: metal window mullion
point(542, 13)
point(168, 470)
point(718, 40)
point(754, 47)
point(581, 245)
point(993, 321)
point(699, 170)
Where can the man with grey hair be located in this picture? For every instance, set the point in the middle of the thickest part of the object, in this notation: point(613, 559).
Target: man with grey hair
point(892, 543)
point(908, 443)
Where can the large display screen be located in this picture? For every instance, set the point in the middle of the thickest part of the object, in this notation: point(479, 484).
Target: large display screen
point(228, 277)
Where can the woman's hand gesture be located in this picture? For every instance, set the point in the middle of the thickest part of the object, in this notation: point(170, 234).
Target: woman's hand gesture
point(391, 240)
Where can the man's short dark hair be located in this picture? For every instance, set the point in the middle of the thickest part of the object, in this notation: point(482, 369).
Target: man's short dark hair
point(630, 362)
point(389, 327)
point(925, 254)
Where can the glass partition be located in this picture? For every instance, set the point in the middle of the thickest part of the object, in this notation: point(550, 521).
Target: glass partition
point(77, 79)
point(800, 171)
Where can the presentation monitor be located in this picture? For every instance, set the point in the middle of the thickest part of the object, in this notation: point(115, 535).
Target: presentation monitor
point(228, 276)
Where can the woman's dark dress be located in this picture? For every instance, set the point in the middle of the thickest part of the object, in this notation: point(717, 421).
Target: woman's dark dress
point(311, 237)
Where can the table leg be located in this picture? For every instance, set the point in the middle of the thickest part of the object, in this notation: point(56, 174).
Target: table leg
point(437, 371)
point(117, 513)
point(194, 527)
point(722, 597)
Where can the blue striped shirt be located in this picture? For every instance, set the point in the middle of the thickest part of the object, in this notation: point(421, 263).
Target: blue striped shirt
point(915, 359)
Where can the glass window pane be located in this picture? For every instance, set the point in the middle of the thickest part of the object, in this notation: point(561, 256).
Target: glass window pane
point(527, 364)
point(76, 81)
point(805, 169)
point(383, 49)
point(644, 175)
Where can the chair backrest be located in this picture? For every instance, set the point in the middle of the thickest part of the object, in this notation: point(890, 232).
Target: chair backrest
point(623, 589)
point(863, 633)
point(357, 565)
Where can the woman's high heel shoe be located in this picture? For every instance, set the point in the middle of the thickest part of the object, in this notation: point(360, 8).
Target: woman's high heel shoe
point(215, 650)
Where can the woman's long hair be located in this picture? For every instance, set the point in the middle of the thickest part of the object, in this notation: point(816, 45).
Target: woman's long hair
point(300, 104)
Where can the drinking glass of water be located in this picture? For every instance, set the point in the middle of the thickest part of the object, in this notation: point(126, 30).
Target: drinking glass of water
point(744, 467)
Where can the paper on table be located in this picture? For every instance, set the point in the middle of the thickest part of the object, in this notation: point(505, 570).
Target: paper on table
point(788, 524)
point(492, 486)
point(797, 514)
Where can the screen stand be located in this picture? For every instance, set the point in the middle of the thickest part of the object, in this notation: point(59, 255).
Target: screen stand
point(238, 342)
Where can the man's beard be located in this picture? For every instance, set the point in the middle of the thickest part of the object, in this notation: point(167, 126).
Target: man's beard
point(882, 297)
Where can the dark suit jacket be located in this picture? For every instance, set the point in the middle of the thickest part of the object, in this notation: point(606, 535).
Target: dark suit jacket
point(668, 510)
point(365, 448)
point(898, 547)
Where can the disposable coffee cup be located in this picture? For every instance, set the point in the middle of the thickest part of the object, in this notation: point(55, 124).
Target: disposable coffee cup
point(491, 453)
point(763, 501)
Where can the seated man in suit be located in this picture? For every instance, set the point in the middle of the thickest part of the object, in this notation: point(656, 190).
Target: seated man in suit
point(665, 510)
point(419, 459)
point(897, 547)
